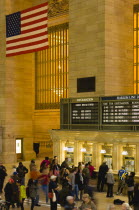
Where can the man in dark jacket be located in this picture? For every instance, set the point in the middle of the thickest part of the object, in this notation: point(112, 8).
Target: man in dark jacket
point(103, 169)
point(21, 171)
point(70, 203)
point(65, 164)
point(3, 174)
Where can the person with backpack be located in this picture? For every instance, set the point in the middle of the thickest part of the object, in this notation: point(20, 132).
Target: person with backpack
point(21, 172)
point(121, 182)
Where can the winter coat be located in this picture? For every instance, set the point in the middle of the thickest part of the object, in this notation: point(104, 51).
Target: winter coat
point(33, 188)
point(110, 178)
point(22, 190)
point(103, 169)
point(65, 164)
point(72, 180)
point(69, 206)
point(89, 205)
point(79, 180)
point(21, 171)
point(3, 173)
point(8, 192)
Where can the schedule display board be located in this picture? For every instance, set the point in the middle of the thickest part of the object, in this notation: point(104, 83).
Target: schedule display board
point(85, 113)
point(120, 110)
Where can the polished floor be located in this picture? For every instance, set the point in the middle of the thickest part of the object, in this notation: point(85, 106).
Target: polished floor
point(102, 201)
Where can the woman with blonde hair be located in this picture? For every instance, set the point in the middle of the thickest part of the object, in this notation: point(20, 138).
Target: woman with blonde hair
point(110, 182)
point(125, 206)
point(87, 203)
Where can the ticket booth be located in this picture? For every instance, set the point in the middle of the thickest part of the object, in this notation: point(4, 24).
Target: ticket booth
point(69, 153)
point(106, 153)
point(129, 158)
point(87, 158)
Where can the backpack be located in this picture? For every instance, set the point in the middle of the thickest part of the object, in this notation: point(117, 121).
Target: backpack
point(118, 202)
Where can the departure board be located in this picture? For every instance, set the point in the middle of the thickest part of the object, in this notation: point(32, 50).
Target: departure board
point(85, 113)
point(120, 112)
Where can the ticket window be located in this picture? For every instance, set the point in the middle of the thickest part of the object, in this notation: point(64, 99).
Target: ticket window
point(87, 158)
point(129, 163)
point(108, 159)
point(69, 153)
point(19, 148)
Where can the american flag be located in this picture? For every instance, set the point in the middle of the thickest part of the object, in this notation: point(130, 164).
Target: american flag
point(26, 31)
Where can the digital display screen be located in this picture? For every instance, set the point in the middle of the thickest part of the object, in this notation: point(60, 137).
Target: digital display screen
point(120, 112)
point(85, 113)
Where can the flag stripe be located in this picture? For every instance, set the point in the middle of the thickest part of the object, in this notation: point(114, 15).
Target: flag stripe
point(27, 31)
point(26, 51)
point(34, 25)
point(34, 29)
point(34, 18)
point(34, 15)
point(35, 7)
point(27, 37)
point(28, 41)
point(28, 48)
point(27, 44)
point(33, 11)
point(33, 22)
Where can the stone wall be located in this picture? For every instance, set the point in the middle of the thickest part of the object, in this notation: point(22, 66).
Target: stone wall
point(101, 45)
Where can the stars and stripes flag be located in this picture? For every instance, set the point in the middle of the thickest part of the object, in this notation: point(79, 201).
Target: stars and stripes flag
point(26, 31)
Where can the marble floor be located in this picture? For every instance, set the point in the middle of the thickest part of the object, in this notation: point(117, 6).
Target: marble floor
point(102, 201)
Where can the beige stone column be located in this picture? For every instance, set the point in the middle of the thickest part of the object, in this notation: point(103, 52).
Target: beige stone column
point(117, 159)
point(137, 160)
point(96, 156)
point(76, 152)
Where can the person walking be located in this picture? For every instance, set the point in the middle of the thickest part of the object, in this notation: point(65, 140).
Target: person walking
point(33, 191)
point(130, 184)
point(103, 169)
point(21, 172)
point(44, 181)
point(3, 174)
point(53, 188)
point(9, 192)
point(110, 182)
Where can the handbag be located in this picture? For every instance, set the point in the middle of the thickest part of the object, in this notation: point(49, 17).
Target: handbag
point(54, 196)
point(50, 195)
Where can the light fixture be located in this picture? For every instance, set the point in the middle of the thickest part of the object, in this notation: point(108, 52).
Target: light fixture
point(124, 153)
point(65, 148)
point(102, 151)
point(83, 150)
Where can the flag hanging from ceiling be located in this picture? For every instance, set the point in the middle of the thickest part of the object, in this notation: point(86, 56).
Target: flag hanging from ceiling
point(26, 31)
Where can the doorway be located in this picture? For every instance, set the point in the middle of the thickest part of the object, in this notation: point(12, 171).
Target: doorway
point(19, 149)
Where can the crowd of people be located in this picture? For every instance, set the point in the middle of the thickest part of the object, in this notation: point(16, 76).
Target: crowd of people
point(64, 185)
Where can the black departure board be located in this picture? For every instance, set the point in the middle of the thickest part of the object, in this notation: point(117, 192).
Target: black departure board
point(85, 113)
point(120, 112)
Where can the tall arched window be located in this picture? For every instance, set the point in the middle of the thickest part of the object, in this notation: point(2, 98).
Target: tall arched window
point(51, 76)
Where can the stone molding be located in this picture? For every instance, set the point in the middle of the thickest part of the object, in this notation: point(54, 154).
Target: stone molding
point(58, 7)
